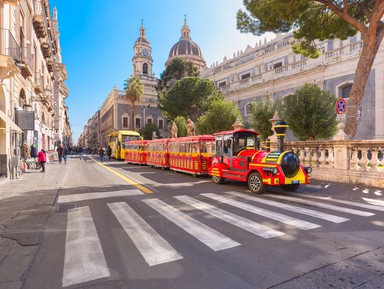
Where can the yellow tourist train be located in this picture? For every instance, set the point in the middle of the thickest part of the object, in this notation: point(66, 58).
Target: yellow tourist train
point(118, 141)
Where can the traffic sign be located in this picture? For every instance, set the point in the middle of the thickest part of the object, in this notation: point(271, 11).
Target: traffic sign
point(341, 106)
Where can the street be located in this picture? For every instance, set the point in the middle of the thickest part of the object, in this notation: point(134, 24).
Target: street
point(116, 225)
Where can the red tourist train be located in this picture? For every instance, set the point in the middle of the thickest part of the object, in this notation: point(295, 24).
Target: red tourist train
point(233, 155)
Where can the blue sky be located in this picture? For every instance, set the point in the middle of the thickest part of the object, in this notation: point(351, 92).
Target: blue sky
point(97, 39)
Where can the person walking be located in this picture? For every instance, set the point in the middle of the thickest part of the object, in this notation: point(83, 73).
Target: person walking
point(81, 152)
point(33, 151)
point(101, 154)
point(60, 151)
point(65, 154)
point(109, 152)
point(42, 159)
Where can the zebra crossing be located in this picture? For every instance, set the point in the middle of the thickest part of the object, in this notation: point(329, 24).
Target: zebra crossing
point(84, 257)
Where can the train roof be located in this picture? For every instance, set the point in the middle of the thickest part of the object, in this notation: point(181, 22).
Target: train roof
point(236, 131)
point(192, 138)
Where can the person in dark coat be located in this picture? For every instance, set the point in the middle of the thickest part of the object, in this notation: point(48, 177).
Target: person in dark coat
point(33, 151)
point(109, 152)
point(60, 151)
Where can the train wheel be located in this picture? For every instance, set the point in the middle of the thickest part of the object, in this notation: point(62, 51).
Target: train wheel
point(255, 183)
point(291, 187)
point(218, 180)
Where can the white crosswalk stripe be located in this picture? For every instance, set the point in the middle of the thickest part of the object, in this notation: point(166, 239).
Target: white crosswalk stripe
point(296, 209)
point(97, 195)
point(84, 258)
point(210, 237)
point(151, 245)
point(248, 225)
point(265, 213)
point(322, 205)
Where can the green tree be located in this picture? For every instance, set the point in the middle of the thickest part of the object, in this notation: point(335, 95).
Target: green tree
point(177, 69)
point(310, 113)
point(322, 19)
point(181, 124)
point(148, 130)
point(261, 112)
point(189, 97)
point(220, 116)
point(134, 89)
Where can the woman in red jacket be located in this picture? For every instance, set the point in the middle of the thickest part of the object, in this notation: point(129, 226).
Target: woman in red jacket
point(42, 159)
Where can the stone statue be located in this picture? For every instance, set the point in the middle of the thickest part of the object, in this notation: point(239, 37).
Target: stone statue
point(276, 117)
point(174, 130)
point(238, 125)
point(190, 127)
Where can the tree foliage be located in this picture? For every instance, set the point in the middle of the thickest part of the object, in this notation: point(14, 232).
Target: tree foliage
point(261, 112)
point(320, 20)
point(220, 116)
point(181, 124)
point(147, 131)
point(134, 89)
point(177, 69)
point(310, 113)
point(189, 97)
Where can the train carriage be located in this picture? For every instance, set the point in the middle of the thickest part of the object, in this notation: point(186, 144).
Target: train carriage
point(157, 153)
point(191, 154)
point(238, 157)
point(136, 152)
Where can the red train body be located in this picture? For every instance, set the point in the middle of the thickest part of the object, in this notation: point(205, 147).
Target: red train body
point(233, 155)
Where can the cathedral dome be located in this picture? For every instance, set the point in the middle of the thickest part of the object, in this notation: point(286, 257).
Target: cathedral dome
point(187, 49)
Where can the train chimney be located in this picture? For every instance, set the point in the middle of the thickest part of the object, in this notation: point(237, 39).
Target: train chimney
point(280, 129)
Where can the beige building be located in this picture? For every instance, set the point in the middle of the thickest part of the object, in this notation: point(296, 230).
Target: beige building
point(272, 69)
point(32, 75)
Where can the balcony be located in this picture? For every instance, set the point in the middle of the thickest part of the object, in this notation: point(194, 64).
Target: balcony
point(9, 50)
point(46, 49)
point(40, 23)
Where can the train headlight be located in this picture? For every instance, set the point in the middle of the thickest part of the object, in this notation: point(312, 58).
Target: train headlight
point(308, 170)
point(273, 170)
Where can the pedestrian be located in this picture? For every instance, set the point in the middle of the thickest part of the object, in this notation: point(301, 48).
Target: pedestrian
point(25, 152)
point(42, 159)
point(65, 154)
point(109, 152)
point(80, 153)
point(60, 151)
point(33, 151)
point(101, 154)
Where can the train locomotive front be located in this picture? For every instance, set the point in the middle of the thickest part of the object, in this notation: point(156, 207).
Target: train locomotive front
point(238, 157)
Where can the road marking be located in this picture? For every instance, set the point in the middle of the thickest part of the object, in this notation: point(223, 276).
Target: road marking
point(84, 258)
point(208, 236)
point(243, 223)
point(301, 224)
point(366, 206)
point(296, 209)
point(154, 249)
point(125, 178)
point(322, 205)
point(97, 195)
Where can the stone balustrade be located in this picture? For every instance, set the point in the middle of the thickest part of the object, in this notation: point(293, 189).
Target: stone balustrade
point(346, 161)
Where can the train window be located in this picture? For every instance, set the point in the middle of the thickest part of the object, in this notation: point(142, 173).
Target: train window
point(228, 144)
point(219, 145)
point(207, 147)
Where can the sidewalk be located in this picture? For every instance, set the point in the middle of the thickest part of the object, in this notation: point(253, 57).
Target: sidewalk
point(25, 206)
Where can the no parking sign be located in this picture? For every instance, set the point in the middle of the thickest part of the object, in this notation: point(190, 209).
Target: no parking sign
point(341, 106)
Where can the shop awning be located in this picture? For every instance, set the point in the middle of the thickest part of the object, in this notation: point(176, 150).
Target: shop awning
point(9, 121)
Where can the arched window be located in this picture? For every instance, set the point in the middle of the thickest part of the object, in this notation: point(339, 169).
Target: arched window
point(345, 90)
point(247, 108)
point(145, 68)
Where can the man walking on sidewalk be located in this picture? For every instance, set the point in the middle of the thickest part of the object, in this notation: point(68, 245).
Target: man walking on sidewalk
point(42, 159)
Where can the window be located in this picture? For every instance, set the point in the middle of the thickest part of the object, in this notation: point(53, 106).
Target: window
point(125, 121)
point(345, 91)
point(248, 108)
point(245, 76)
point(149, 121)
point(137, 122)
point(223, 83)
point(145, 68)
point(161, 124)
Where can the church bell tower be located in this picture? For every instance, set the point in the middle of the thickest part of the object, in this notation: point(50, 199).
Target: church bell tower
point(142, 59)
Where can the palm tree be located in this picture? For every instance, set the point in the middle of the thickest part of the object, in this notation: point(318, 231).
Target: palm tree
point(134, 89)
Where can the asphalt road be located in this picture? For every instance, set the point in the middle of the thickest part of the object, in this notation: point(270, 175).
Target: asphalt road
point(136, 227)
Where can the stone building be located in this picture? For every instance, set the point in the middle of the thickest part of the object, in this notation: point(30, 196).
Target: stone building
point(32, 75)
point(272, 69)
point(116, 109)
